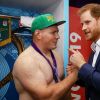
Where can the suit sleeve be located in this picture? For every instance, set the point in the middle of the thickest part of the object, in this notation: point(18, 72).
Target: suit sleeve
point(80, 82)
point(90, 76)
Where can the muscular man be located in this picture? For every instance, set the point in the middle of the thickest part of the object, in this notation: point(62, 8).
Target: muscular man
point(38, 72)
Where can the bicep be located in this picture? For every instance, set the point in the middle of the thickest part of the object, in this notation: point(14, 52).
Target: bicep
point(32, 79)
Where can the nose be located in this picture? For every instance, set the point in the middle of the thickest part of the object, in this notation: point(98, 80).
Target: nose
point(57, 36)
point(84, 27)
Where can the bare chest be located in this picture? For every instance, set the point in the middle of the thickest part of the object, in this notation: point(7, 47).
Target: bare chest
point(47, 70)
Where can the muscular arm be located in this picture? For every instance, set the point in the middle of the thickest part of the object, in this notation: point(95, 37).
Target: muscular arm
point(34, 82)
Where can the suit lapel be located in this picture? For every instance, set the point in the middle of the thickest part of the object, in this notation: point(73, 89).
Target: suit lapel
point(98, 59)
point(91, 58)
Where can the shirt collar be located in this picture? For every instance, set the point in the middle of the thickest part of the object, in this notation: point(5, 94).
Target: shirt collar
point(95, 45)
point(98, 42)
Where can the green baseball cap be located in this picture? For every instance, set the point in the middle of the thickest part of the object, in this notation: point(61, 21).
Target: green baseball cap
point(44, 21)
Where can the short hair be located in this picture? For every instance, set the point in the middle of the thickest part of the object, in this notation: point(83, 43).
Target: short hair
point(93, 8)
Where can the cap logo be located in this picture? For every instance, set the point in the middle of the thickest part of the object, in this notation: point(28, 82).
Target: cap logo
point(50, 18)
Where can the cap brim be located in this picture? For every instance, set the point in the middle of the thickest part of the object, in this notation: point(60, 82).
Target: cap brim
point(58, 23)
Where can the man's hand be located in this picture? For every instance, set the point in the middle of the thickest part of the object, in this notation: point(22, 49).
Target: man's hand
point(77, 58)
point(72, 70)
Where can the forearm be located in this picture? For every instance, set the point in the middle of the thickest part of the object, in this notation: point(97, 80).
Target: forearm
point(62, 88)
point(56, 91)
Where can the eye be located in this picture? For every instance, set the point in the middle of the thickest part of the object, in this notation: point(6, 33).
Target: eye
point(54, 32)
point(87, 22)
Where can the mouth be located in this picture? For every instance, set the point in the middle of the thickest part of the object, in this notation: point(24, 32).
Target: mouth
point(87, 33)
point(55, 41)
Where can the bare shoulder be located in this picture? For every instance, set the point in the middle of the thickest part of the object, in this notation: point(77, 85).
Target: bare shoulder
point(25, 62)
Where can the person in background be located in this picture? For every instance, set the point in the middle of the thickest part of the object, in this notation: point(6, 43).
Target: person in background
point(89, 72)
point(38, 72)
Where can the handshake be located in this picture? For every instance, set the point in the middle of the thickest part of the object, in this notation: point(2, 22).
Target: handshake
point(76, 61)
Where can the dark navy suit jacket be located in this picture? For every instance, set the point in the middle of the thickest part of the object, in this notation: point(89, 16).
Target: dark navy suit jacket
point(90, 76)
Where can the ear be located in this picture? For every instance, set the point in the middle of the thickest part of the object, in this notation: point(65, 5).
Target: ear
point(38, 34)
